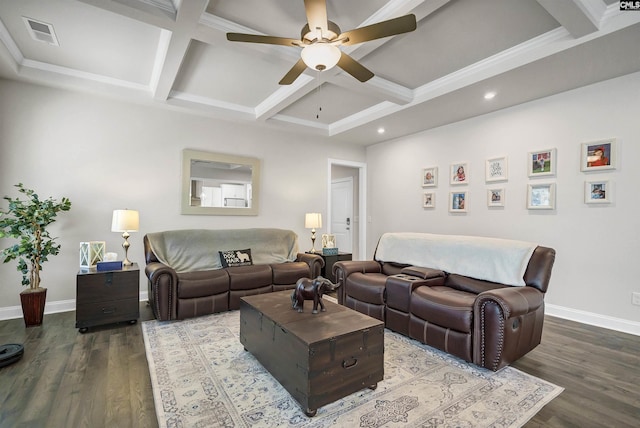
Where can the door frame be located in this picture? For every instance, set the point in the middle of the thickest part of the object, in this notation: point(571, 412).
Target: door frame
point(362, 200)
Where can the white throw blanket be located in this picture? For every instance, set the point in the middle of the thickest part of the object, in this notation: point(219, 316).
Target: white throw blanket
point(491, 259)
point(197, 249)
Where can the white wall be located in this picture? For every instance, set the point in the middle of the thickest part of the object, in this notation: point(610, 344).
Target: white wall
point(597, 247)
point(106, 155)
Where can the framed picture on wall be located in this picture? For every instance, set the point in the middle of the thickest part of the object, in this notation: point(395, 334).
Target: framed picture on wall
point(458, 202)
point(459, 173)
point(598, 155)
point(429, 200)
point(496, 169)
point(542, 163)
point(495, 197)
point(541, 196)
point(430, 176)
point(597, 192)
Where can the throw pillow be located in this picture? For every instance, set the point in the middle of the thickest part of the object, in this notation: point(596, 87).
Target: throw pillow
point(233, 258)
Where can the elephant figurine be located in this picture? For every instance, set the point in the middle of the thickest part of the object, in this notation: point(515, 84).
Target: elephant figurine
point(308, 289)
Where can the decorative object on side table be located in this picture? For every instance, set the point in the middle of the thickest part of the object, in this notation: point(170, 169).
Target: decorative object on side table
point(91, 253)
point(329, 246)
point(125, 221)
point(27, 221)
point(307, 289)
point(313, 221)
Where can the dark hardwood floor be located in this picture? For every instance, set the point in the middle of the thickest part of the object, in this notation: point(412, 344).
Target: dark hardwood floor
point(101, 378)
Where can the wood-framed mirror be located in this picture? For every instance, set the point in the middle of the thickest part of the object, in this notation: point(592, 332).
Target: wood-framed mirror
point(219, 184)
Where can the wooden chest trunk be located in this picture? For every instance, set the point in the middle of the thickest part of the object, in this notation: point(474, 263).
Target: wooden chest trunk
point(318, 358)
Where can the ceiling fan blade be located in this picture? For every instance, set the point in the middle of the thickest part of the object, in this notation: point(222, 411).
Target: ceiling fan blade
point(403, 24)
point(354, 68)
point(293, 74)
point(316, 14)
point(255, 38)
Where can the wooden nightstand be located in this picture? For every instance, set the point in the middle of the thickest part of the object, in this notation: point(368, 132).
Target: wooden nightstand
point(107, 297)
point(329, 260)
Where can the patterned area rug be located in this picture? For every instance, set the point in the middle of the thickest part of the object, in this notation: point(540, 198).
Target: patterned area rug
point(203, 377)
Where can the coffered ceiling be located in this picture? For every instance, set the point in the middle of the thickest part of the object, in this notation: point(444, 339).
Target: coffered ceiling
point(175, 53)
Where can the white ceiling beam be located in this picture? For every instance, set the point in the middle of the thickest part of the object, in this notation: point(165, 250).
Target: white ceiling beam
point(177, 47)
point(138, 10)
point(579, 17)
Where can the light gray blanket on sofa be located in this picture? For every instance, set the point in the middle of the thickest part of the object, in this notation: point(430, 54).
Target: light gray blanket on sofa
point(197, 249)
point(491, 259)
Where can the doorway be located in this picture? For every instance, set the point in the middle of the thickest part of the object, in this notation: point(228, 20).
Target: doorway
point(341, 171)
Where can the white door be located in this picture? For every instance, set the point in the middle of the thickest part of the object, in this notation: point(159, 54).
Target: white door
point(342, 212)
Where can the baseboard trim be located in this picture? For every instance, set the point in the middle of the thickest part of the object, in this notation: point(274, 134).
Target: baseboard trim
point(12, 312)
point(603, 321)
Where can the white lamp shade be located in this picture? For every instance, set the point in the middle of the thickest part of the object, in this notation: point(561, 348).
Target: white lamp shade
point(125, 221)
point(312, 220)
point(321, 56)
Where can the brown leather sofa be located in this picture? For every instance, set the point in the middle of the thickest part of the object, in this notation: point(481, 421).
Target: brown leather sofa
point(187, 278)
point(484, 322)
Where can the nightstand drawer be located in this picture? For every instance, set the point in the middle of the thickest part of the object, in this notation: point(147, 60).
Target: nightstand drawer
point(110, 285)
point(98, 313)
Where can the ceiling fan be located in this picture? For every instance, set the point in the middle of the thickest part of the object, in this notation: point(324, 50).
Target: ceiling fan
point(320, 38)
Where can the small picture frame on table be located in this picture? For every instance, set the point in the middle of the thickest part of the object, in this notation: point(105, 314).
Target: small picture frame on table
point(430, 176)
point(429, 200)
point(459, 173)
point(597, 192)
point(458, 202)
point(541, 196)
point(542, 163)
point(495, 197)
point(496, 169)
point(598, 155)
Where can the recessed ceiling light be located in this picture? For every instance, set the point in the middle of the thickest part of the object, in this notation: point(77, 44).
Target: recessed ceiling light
point(489, 95)
point(381, 130)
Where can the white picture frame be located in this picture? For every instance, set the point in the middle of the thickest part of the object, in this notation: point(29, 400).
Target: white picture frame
point(496, 169)
point(458, 201)
point(429, 200)
point(597, 192)
point(459, 173)
point(542, 163)
point(541, 196)
point(496, 197)
point(599, 155)
point(430, 176)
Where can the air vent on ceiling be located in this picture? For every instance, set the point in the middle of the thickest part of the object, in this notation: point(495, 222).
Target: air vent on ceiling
point(41, 31)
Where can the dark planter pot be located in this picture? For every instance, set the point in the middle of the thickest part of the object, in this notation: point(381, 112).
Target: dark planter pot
point(33, 306)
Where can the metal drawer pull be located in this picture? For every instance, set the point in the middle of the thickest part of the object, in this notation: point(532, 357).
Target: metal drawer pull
point(109, 310)
point(347, 364)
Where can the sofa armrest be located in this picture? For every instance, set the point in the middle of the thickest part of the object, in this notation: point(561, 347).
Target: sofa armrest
point(513, 301)
point(342, 269)
point(315, 262)
point(163, 290)
point(507, 325)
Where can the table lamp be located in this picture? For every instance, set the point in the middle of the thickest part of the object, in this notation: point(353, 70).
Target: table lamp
point(125, 221)
point(311, 221)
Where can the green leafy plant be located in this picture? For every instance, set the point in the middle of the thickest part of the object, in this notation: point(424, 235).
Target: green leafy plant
point(27, 220)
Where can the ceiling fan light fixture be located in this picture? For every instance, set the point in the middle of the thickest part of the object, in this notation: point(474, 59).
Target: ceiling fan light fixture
point(321, 56)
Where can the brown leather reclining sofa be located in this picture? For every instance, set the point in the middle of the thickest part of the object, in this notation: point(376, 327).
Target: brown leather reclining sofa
point(482, 321)
point(187, 277)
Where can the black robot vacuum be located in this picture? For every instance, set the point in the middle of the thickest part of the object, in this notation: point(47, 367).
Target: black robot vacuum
point(10, 353)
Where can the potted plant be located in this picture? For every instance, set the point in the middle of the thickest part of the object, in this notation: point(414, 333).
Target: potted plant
point(27, 220)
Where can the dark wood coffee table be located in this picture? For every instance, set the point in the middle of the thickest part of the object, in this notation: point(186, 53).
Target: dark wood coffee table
point(318, 358)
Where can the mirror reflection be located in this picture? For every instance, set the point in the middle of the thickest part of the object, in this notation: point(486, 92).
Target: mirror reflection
point(219, 184)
